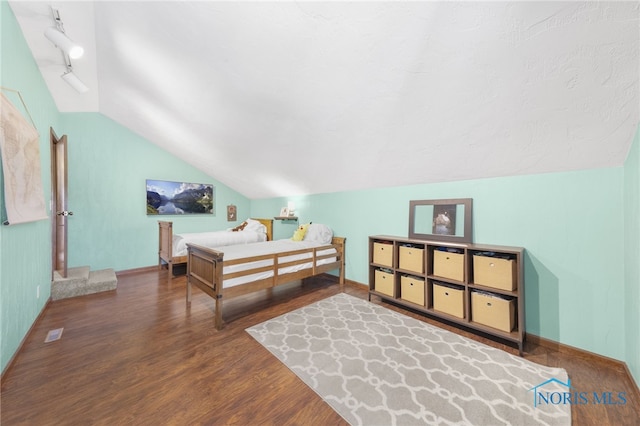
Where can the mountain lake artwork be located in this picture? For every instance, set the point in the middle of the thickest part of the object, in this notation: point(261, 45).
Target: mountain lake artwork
point(166, 197)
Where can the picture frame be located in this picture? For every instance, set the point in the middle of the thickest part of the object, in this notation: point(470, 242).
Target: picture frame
point(447, 220)
point(179, 198)
point(284, 212)
point(232, 213)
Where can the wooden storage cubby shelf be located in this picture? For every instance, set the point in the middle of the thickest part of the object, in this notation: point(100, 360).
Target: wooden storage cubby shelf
point(454, 269)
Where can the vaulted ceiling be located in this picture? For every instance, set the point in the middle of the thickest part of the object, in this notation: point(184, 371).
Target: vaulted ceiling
point(284, 98)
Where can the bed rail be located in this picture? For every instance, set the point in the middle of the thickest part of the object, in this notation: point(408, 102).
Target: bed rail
point(205, 270)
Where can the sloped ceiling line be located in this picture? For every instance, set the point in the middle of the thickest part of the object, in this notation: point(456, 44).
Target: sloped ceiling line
point(267, 96)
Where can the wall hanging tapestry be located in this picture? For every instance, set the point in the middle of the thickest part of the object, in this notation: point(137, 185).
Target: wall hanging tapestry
point(19, 145)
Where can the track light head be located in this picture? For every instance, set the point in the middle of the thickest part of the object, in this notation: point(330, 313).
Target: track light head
point(63, 42)
point(74, 81)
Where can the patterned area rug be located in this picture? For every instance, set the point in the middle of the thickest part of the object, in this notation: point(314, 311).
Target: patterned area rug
point(375, 366)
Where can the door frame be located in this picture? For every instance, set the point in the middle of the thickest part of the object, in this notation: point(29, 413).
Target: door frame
point(58, 148)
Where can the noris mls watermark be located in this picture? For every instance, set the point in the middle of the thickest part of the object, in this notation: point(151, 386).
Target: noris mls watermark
point(568, 396)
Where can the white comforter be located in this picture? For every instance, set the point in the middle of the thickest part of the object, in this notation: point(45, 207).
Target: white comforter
point(271, 247)
point(215, 239)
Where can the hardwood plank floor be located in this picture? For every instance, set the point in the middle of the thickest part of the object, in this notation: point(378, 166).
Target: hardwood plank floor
point(138, 356)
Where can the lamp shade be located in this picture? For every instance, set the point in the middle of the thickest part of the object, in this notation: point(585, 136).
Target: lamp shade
point(61, 40)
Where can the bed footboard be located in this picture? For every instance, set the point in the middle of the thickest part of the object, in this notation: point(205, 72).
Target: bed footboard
point(165, 238)
point(340, 243)
point(204, 270)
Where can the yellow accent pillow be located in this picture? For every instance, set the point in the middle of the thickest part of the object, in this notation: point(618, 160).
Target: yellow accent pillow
point(300, 232)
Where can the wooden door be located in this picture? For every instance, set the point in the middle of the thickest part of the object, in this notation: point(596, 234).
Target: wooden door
point(59, 203)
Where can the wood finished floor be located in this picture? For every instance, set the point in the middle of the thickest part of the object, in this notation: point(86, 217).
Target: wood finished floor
point(138, 356)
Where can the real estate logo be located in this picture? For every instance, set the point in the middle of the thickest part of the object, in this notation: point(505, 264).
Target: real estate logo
point(555, 397)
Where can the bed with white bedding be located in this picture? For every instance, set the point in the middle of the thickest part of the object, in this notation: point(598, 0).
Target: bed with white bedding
point(240, 269)
point(172, 248)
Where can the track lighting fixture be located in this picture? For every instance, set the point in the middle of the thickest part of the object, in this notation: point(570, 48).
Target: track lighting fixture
point(60, 39)
point(70, 50)
point(74, 81)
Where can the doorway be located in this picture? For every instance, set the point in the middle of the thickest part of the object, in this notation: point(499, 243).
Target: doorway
point(59, 203)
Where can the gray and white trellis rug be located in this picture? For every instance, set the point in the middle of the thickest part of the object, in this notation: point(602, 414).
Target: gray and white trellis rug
point(375, 366)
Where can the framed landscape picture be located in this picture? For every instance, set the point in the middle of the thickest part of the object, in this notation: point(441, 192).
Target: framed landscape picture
point(173, 198)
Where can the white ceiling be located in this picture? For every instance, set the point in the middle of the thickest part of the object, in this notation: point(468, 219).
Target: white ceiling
point(284, 98)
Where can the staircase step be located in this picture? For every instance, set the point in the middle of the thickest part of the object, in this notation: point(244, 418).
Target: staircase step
point(103, 280)
point(81, 281)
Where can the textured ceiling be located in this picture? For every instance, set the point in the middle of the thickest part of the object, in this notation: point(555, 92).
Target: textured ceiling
point(285, 98)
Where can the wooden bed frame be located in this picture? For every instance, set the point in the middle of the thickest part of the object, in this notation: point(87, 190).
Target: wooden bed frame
point(205, 265)
point(165, 244)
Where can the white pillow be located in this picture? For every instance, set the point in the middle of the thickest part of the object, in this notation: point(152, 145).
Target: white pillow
point(255, 226)
point(320, 233)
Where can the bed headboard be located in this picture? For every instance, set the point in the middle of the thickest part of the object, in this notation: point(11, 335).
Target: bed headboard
point(268, 223)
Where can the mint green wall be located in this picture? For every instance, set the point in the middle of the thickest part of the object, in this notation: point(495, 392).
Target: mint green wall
point(108, 167)
point(580, 229)
point(632, 256)
point(571, 225)
point(25, 249)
